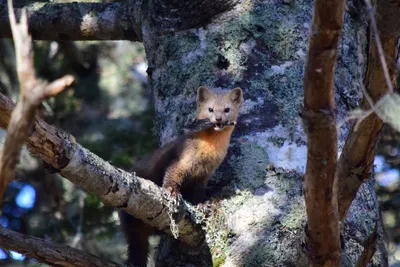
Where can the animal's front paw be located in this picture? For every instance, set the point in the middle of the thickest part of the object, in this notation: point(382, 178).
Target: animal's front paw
point(174, 192)
point(205, 207)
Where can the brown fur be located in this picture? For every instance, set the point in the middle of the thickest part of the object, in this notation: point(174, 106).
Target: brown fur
point(184, 165)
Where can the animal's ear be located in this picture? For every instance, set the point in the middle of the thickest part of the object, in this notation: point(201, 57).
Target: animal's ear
point(236, 96)
point(203, 94)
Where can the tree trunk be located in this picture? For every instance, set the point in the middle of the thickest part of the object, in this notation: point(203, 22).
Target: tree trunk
point(261, 46)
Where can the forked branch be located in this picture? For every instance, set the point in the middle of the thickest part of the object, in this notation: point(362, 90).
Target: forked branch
point(355, 163)
point(32, 92)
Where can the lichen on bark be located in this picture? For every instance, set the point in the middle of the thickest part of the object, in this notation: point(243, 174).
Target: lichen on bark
point(261, 47)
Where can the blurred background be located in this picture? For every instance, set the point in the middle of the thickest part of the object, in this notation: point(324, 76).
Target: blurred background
point(109, 111)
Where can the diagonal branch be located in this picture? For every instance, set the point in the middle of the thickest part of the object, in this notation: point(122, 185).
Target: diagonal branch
point(115, 187)
point(47, 252)
point(32, 93)
point(74, 21)
point(357, 157)
point(319, 117)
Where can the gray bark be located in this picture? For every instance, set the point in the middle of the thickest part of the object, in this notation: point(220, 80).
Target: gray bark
point(73, 21)
point(109, 21)
point(115, 187)
point(261, 47)
point(47, 252)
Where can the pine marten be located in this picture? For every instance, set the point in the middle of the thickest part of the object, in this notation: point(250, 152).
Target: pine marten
point(184, 165)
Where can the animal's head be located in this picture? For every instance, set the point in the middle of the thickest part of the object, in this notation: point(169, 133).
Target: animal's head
point(219, 108)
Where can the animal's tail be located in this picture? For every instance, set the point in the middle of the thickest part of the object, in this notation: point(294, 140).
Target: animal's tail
point(137, 235)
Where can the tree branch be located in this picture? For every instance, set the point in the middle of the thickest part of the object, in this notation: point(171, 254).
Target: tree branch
point(115, 187)
point(139, 197)
point(355, 162)
point(47, 252)
point(113, 21)
point(319, 116)
point(74, 21)
point(388, 17)
point(32, 93)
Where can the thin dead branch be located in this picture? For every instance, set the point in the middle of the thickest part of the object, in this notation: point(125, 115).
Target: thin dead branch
point(319, 117)
point(47, 252)
point(32, 93)
point(357, 157)
point(119, 20)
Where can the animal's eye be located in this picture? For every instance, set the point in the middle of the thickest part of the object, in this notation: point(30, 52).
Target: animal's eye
point(227, 110)
point(210, 109)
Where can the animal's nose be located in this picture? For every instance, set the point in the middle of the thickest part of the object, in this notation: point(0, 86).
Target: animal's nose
point(218, 119)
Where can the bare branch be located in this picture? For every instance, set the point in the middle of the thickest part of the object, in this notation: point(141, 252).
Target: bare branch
point(74, 21)
point(115, 187)
point(57, 86)
point(319, 117)
point(369, 248)
point(47, 252)
point(114, 21)
point(357, 157)
point(139, 197)
point(32, 93)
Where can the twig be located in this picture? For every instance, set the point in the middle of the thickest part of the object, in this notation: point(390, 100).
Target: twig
point(32, 93)
point(379, 46)
point(369, 248)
